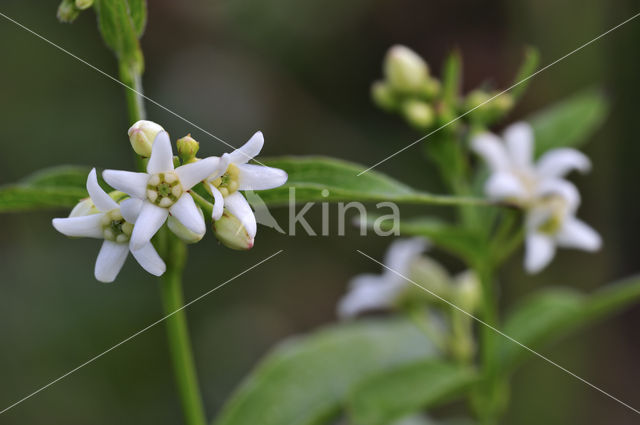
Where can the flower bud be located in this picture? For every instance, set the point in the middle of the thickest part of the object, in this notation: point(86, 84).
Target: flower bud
point(182, 232)
point(430, 275)
point(383, 96)
point(187, 148)
point(404, 69)
point(430, 89)
point(67, 11)
point(142, 134)
point(468, 291)
point(231, 233)
point(502, 104)
point(84, 4)
point(419, 114)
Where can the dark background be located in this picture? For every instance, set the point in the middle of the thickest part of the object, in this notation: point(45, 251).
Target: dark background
point(300, 72)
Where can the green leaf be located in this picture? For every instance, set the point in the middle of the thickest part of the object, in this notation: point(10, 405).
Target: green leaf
point(119, 32)
point(451, 78)
point(457, 240)
point(339, 180)
point(553, 313)
point(138, 13)
point(527, 68)
point(306, 379)
point(57, 187)
point(570, 122)
point(407, 389)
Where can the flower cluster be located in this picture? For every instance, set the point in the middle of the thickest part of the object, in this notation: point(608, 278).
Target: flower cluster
point(540, 188)
point(164, 194)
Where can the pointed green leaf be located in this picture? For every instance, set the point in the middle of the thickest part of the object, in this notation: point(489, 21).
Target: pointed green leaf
point(451, 78)
point(553, 313)
point(570, 122)
point(119, 32)
point(526, 71)
point(306, 379)
point(409, 388)
point(138, 13)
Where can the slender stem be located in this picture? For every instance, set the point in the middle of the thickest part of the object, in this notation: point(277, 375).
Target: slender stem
point(177, 331)
point(174, 253)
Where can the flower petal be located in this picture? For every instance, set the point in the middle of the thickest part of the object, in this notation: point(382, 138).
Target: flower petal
point(130, 209)
point(161, 159)
point(518, 139)
point(88, 226)
point(248, 151)
point(100, 198)
point(110, 260)
point(367, 292)
point(578, 234)
point(133, 184)
point(151, 218)
point(540, 250)
point(503, 185)
point(148, 258)
point(559, 162)
point(259, 177)
point(238, 206)
point(563, 188)
point(402, 253)
point(218, 205)
point(192, 174)
point(491, 149)
point(186, 211)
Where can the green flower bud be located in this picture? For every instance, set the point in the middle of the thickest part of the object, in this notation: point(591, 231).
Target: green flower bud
point(231, 233)
point(430, 89)
point(182, 232)
point(187, 148)
point(429, 274)
point(418, 113)
point(502, 104)
point(467, 291)
point(142, 134)
point(404, 69)
point(383, 96)
point(84, 4)
point(67, 11)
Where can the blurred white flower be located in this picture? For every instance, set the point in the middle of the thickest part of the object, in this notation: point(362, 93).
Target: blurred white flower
point(549, 200)
point(238, 175)
point(100, 217)
point(161, 191)
point(376, 292)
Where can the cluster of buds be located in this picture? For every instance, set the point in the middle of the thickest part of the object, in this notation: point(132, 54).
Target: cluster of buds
point(410, 90)
point(68, 10)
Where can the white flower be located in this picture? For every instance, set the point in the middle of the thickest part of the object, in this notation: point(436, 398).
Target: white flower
point(238, 175)
point(514, 176)
point(107, 223)
point(550, 201)
point(374, 292)
point(161, 191)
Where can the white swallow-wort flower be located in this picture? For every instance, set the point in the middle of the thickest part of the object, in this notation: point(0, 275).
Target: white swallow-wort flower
point(161, 191)
point(378, 292)
point(101, 218)
point(539, 187)
point(238, 175)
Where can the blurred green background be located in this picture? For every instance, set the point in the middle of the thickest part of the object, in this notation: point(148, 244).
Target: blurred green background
point(300, 72)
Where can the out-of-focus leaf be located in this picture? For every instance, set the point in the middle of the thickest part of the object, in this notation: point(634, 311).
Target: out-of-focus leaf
point(457, 240)
point(527, 68)
point(57, 187)
point(451, 77)
point(570, 122)
point(119, 32)
point(553, 313)
point(410, 388)
point(138, 13)
point(306, 379)
point(339, 181)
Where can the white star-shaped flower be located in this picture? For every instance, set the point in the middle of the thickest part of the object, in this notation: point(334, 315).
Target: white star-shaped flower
point(377, 292)
point(108, 223)
point(549, 200)
point(161, 191)
point(238, 175)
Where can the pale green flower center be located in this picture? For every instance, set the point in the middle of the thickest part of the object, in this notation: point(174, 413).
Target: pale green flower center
point(558, 207)
point(115, 228)
point(228, 182)
point(164, 189)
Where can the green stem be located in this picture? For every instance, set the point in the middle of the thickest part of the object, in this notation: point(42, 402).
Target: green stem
point(174, 253)
point(177, 331)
